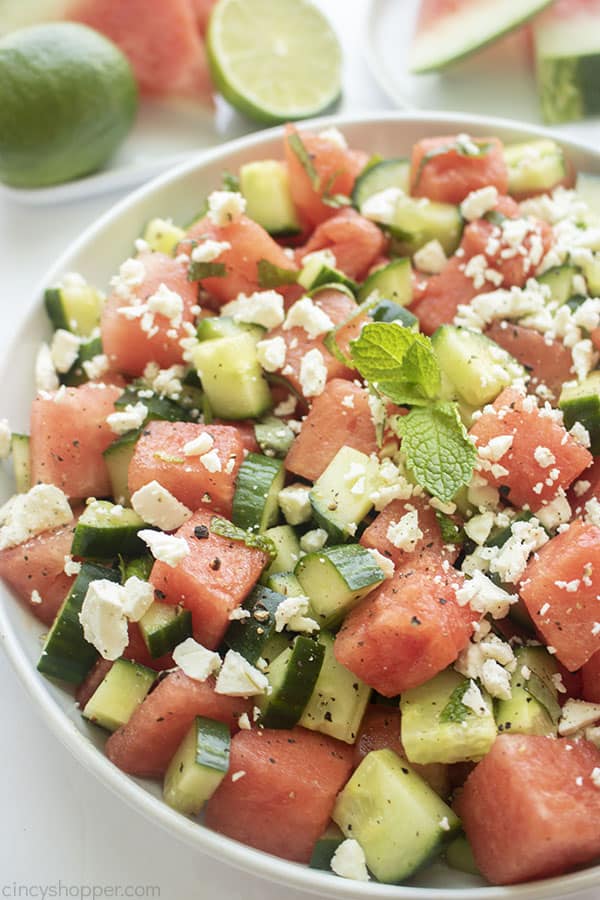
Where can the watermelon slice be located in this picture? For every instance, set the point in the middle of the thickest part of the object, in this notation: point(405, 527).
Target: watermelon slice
point(355, 242)
point(449, 30)
point(567, 53)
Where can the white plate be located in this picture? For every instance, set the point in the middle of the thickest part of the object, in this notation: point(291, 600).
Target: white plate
point(498, 79)
point(97, 255)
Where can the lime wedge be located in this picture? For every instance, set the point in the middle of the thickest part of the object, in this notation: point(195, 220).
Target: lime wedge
point(274, 60)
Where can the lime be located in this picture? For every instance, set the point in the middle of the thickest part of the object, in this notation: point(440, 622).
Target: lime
point(274, 60)
point(67, 99)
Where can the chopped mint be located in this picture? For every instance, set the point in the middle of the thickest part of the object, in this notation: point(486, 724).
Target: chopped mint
point(450, 531)
point(455, 710)
point(227, 529)
point(199, 270)
point(272, 276)
point(305, 160)
point(231, 182)
point(462, 147)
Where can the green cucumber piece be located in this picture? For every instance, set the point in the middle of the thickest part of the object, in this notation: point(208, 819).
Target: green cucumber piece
point(266, 186)
point(339, 699)
point(213, 327)
point(387, 311)
point(398, 820)
point(459, 856)
point(66, 654)
point(288, 550)
point(335, 579)
point(339, 500)
point(117, 457)
point(534, 166)
point(140, 567)
point(292, 677)
point(75, 308)
point(232, 377)
point(249, 636)
point(417, 221)
point(380, 176)
point(325, 848)
point(105, 530)
point(393, 283)
point(437, 728)
point(255, 503)
point(581, 403)
point(19, 448)
point(87, 351)
point(533, 707)
point(119, 694)
point(587, 187)
point(316, 274)
point(285, 583)
point(163, 236)
point(273, 436)
point(560, 281)
point(159, 408)
point(198, 767)
point(164, 626)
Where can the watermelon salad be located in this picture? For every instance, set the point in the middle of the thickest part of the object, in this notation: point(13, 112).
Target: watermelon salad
point(310, 507)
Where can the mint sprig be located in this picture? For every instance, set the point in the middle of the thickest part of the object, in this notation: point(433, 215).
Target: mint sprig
point(272, 276)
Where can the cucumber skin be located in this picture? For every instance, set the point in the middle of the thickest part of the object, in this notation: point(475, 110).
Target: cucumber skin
point(249, 636)
point(257, 478)
point(165, 638)
point(284, 707)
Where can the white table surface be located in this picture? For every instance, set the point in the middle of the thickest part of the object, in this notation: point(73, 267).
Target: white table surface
point(60, 828)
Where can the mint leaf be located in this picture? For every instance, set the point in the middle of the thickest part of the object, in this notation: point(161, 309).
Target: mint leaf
point(400, 363)
point(199, 270)
point(460, 146)
point(231, 182)
point(272, 276)
point(450, 531)
point(227, 529)
point(455, 710)
point(305, 160)
point(437, 449)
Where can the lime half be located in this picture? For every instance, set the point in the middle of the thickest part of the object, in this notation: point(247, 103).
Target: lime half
point(274, 60)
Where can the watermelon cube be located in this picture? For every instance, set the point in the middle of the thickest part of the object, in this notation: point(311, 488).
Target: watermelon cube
point(590, 677)
point(530, 808)
point(431, 544)
point(159, 456)
point(283, 801)
point(548, 362)
point(560, 587)
point(69, 433)
point(355, 242)
point(407, 630)
point(212, 580)
point(442, 173)
point(145, 745)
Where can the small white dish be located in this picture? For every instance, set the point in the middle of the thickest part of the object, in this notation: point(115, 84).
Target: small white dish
point(97, 255)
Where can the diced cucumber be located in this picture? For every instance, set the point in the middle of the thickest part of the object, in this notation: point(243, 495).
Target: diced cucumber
point(534, 166)
point(339, 699)
point(266, 186)
point(119, 694)
point(336, 578)
point(198, 767)
point(397, 819)
point(66, 654)
point(164, 626)
point(560, 281)
point(232, 377)
point(213, 327)
point(533, 707)
point(19, 448)
point(325, 847)
point(105, 530)
point(316, 274)
point(341, 496)
point(591, 270)
point(74, 307)
point(459, 856)
point(588, 189)
point(376, 178)
point(288, 549)
point(418, 220)
point(386, 311)
point(159, 408)
point(273, 436)
point(87, 351)
point(140, 567)
point(393, 282)
point(477, 367)
point(292, 677)
point(117, 457)
point(581, 403)
point(285, 583)
point(438, 728)
point(255, 503)
point(163, 236)
point(249, 636)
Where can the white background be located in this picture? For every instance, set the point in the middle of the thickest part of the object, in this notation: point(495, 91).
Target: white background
point(57, 824)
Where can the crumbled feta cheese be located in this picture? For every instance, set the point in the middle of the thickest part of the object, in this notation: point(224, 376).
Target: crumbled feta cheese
point(496, 447)
point(555, 513)
point(431, 258)
point(156, 506)
point(165, 382)
point(306, 314)
point(292, 614)
point(64, 349)
point(295, 504)
point(595, 776)
point(260, 308)
point(167, 303)
point(405, 534)
point(44, 506)
point(544, 457)
point(36, 598)
point(5, 439)
point(478, 528)
point(103, 620)
point(384, 562)
point(132, 273)
point(225, 207)
point(496, 680)
point(313, 373)
point(71, 567)
point(238, 678)
point(349, 861)
point(585, 357)
point(199, 445)
point(237, 775)
point(167, 548)
point(324, 257)
point(381, 207)
point(211, 461)
point(577, 714)
point(314, 540)
point(138, 597)
point(478, 203)
point(592, 511)
point(484, 596)
point(96, 367)
point(271, 353)
point(334, 136)
point(46, 378)
point(473, 700)
point(133, 416)
point(510, 561)
point(581, 435)
point(196, 661)
point(244, 723)
point(286, 407)
point(209, 250)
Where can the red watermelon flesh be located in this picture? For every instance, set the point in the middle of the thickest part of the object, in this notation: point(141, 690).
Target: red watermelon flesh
point(145, 745)
point(37, 565)
point(548, 362)
point(530, 809)
point(130, 348)
point(93, 681)
point(431, 544)
point(560, 587)
point(215, 578)
point(283, 802)
point(529, 483)
point(159, 457)
point(355, 242)
point(590, 676)
point(69, 433)
point(443, 174)
point(406, 631)
point(137, 651)
point(585, 488)
point(202, 10)
point(161, 41)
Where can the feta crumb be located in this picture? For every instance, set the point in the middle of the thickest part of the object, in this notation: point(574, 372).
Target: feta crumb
point(199, 445)
point(237, 775)
point(225, 207)
point(133, 416)
point(5, 439)
point(294, 501)
point(496, 680)
point(165, 547)
point(306, 314)
point(581, 435)
point(211, 461)
point(138, 597)
point(44, 506)
point(595, 776)
point(239, 614)
point(592, 511)
point(158, 507)
point(478, 528)
point(286, 407)
point(209, 250)
point(478, 203)
point(71, 567)
point(102, 618)
point(238, 678)
point(196, 661)
point(64, 349)
point(405, 534)
point(431, 258)
point(36, 598)
point(349, 861)
point(96, 367)
point(167, 303)
point(473, 700)
point(292, 614)
point(384, 562)
point(444, 824)
point(46, 378)
point(484, 596)
point(314, 540)
point(544, 457)
point(132, 273)
point(244, 723)
point(271, 353)
point(313, 373)
point(526, 537)
point(577, 714)
point(496, 447)
point(260, 308)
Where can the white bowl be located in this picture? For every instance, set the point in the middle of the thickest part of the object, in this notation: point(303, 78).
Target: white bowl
point(97, 255)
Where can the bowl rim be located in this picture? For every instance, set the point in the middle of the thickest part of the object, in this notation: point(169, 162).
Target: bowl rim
point(131, 790)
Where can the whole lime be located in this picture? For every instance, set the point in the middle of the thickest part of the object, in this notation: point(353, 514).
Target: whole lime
point(68, 98)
